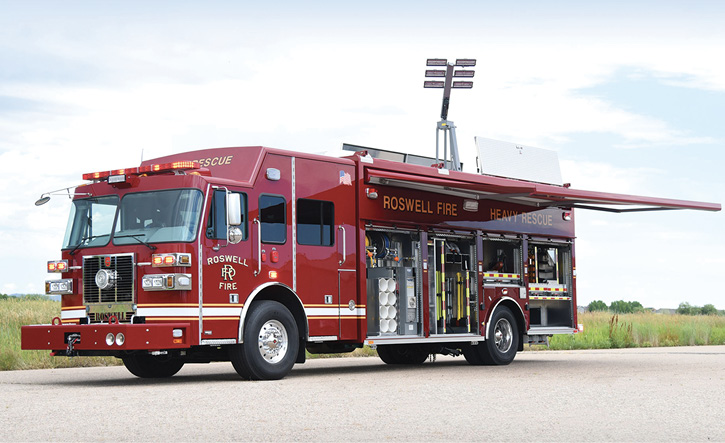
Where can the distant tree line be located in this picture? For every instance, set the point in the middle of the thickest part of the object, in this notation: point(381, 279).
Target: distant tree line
point(629, 307)
point(686, 309)
point(619, 306)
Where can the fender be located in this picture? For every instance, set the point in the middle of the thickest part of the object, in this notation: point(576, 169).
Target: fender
point(494, 310)
point(250, 299)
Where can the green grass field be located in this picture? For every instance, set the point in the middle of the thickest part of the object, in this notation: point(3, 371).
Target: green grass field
point(16, 312)
point(602, 330)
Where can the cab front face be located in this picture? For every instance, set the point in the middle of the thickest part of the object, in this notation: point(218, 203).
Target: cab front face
point(129, 257)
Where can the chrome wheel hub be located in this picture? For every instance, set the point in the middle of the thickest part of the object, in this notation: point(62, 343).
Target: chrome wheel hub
point(503, 335)
point(272, 341)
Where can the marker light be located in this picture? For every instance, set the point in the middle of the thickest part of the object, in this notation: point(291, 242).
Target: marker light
point(273, 275)
point(566, 216)
point(58, 266)
point(372, 193)
point(171, 259)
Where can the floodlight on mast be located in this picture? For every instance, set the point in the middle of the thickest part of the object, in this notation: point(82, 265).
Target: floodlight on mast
point(445, 125)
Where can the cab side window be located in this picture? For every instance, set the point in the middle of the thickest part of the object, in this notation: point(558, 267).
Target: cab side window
point(315, 222)
point(273, 216)
point(216, 227)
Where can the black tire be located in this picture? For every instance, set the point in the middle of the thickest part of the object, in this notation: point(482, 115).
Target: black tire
point(502, 343)
point(472, 355)
point(403, 354)
point(271, 343)
point(151, 366)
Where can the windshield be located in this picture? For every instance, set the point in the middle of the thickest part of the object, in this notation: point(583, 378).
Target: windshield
point(144, 217)
point(160, 216)
point(90, 222)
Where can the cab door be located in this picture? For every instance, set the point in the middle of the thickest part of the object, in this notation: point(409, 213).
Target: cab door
point(225, 268)
point(325, 242)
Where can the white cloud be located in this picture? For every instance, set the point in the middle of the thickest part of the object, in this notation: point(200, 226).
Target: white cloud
point(118, 87)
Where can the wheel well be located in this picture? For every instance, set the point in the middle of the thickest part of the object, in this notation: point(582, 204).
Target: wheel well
point(518, 315)
point(286, 297)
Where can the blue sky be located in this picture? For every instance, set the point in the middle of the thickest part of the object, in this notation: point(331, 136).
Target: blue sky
point(630, 94)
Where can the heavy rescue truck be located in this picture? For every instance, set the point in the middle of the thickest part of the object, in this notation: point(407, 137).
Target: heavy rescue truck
point(252, 255)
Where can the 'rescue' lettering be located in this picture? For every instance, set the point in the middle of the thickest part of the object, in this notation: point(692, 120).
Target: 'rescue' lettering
point(226, 259)
point(215, 161)
point(529, 218)
point(418, 206)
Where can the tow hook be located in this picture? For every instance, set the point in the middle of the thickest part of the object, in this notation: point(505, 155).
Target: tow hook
point(449, 351)
point(72, 339)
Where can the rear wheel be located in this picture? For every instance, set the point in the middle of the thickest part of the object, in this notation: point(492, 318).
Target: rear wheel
point(403, 354)
point(271, 343)
point(152, 366)
point(502, 343)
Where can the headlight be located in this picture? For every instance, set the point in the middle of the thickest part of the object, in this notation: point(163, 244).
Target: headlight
point(64, 286)
point(165, 282)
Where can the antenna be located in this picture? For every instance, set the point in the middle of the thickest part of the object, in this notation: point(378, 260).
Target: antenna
point(445, 125)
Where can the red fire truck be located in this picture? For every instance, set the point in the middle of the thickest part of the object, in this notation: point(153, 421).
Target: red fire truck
point(254, 255)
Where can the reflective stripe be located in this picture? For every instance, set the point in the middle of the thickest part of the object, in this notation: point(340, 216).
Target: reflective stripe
point(188, 312)
point(343, 311)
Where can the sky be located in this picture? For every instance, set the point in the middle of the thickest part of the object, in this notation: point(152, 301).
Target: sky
point(631, 95)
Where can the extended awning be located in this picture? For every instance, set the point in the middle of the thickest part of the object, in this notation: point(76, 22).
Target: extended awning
point(483, 187)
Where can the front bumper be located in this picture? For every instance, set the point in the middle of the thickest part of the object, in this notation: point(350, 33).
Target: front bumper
point(93, 337)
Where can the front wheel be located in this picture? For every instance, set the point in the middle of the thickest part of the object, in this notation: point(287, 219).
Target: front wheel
point(271, 343)
point(151, 366)
point(502, 343)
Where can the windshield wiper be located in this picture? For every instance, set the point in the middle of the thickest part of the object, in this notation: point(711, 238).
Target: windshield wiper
point(80, 243)
point(135, 237)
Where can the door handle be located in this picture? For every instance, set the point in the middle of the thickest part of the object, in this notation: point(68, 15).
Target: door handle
point(344, 252)
point(259, 247)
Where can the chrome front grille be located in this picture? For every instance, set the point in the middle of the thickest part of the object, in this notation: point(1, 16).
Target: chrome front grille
point(121, 290)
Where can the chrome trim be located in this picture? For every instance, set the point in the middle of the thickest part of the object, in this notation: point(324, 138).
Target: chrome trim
point(259, 246)
point(550, 330)
point(344, 246)
point(321, 338)
point(200, 282)
point(294, 226)
point(219, 341)
point(250, 299)
point(488, 320)
point(410, 339)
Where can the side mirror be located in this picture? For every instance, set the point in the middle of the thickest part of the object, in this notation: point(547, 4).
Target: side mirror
point(234, 209)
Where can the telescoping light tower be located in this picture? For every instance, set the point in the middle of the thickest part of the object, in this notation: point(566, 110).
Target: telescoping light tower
point(445, 125)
